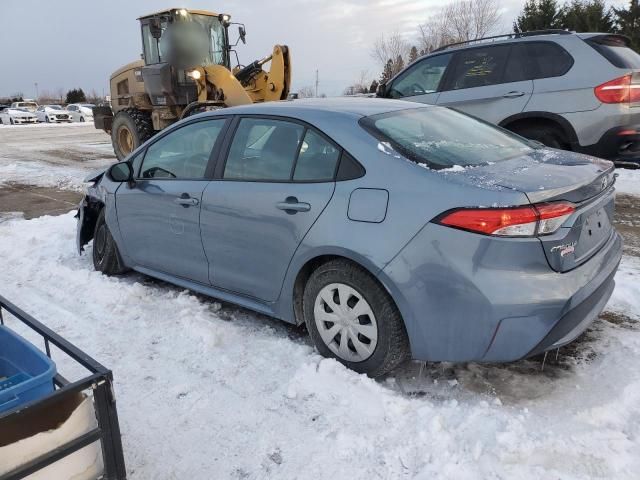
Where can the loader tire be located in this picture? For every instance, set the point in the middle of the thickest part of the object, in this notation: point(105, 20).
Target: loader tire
point(130, 129)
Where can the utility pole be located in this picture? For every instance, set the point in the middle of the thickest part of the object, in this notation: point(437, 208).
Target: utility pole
point(317, 82)
point(37, 95)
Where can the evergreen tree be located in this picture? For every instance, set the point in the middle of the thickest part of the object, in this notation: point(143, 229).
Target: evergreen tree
point(587, 16)
point(538, 15)
point(374, 87)
point(628, 23)
point(387, 73)
point(76, 95)
point(413, 54)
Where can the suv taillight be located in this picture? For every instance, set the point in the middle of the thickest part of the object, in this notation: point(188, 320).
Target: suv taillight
point(620, 90)
point(539, 219)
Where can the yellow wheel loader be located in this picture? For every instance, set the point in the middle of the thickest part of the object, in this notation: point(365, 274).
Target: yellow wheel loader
point(185, 68)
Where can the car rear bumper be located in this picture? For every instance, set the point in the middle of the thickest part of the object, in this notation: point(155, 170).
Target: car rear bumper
point(467, 297)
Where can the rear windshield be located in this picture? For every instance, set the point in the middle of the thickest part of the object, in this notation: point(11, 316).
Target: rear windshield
point(616, 49)
point(442, 138)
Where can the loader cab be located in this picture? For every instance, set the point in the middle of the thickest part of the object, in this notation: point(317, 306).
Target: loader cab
point(185, 38)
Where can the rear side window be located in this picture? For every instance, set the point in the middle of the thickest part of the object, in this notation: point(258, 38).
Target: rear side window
point(263, 149)
point(616, 50)
point(479, 67)
point(317, 159)
point(547, 59)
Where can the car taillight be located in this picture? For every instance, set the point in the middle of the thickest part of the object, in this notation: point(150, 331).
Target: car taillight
point(620, 90)
point(539, 219)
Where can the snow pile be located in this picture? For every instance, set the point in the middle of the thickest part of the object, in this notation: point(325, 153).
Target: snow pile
point(628, 181)
point(206, 391)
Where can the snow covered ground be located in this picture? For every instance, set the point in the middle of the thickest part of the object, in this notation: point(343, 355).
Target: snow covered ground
point(212, 391)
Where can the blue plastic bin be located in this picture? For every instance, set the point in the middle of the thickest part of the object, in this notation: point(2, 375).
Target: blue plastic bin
point(26, 373)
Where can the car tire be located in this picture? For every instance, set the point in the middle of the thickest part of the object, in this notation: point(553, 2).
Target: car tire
point(546, 134)
point(376, 340)
point(81, 119)
point(106, 258)
point(10, 121)
point(46, 119)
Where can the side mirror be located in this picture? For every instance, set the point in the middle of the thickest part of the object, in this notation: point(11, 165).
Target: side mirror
point(243, 34)
point(121, 172)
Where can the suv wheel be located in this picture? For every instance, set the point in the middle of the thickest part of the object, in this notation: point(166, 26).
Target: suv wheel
point(351, 318)
point(545, 134)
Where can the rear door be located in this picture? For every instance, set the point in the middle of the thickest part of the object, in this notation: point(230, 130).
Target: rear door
point(277, 179)
point(421, 81)
point(159, 216)
point(489, 82)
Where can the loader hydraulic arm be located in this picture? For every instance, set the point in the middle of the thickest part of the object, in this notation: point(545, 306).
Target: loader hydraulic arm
point(250, 84)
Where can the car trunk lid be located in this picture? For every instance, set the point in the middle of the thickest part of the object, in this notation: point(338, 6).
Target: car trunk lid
point(547, 175)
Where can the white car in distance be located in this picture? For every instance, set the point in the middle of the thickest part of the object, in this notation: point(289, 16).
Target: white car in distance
point(28, 105)
point(17, 116)
point(81, 112)
point(53, 114)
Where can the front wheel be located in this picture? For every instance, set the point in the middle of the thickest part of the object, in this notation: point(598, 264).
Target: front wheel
point(106, 258)
point(81, 119)
point(130, 129)
point(352, 318)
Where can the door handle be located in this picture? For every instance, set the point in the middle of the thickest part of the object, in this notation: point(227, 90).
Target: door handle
point(186, 201)
point(292, 206)
point(513, 94)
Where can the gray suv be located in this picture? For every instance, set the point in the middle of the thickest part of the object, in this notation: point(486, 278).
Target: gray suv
point(577, 92)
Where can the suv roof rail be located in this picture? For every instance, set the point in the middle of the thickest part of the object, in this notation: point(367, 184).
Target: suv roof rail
point(532, 33)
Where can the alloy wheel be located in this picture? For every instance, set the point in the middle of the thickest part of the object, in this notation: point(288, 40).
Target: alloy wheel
point(346, 323)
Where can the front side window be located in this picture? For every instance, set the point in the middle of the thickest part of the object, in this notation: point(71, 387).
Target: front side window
point(421, 78)
point(479, 67)
point(183, 153)
point(442, 138)
point(263, 149)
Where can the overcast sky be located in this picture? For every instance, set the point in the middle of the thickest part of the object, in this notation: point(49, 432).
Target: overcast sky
point(78, 43)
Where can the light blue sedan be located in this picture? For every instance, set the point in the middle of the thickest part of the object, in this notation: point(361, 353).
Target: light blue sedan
point(392, 230)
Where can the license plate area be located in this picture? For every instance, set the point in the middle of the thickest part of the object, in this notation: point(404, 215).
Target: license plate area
point(596, 229)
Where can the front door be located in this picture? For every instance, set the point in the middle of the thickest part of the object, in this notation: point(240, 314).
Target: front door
point(278, 178)
point(488, 82)
point(159, 216)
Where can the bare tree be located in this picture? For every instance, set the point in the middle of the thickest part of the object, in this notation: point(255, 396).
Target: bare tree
point(361, 85)
point(306, 92)
point(60, 94)
point(391, 47)
point(459, 21)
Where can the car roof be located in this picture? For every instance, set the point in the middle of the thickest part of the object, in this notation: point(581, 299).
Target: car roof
point(356, 107)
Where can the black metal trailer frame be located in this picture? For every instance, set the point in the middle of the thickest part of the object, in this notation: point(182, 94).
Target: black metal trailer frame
point(100, 381)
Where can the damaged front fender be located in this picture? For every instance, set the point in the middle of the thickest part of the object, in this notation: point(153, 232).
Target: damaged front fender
point(88, 211)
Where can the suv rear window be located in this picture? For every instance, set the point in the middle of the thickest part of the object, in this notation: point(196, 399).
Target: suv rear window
point(615, 48)
point(442, 138)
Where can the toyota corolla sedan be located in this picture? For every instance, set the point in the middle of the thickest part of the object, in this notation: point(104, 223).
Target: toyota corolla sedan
point(391, 230)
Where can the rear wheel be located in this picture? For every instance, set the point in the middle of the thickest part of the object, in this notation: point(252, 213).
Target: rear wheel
point(546, 134)
point(106, 258)
point(130, 129)
point(351, 318)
